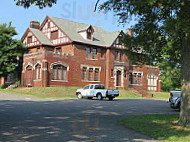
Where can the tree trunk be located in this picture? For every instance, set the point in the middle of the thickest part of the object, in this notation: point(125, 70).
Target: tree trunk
point(185, 70)
point(185, 100)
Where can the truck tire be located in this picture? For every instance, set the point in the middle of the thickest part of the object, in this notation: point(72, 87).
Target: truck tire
point(110, 98)
point(99, 96)
point(79, 96)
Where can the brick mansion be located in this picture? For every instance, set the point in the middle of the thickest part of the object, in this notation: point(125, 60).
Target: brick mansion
point(67, 53)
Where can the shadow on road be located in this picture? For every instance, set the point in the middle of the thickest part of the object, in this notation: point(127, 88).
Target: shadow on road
point(68, 120)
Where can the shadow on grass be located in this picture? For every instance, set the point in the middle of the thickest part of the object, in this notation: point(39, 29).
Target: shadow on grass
point(159, 126)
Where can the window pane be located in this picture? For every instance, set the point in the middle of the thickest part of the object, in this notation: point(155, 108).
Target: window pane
point(88, 35)
point(86, 87)
point(37, 73)
point(58, 50)
point(96, 74)
point(97, 87)
point(84, 73)
point(54, 35)
point(112, 72)
point(40, 74)
point(87, 52)
point(134, 78)
point(59, 73)
point(102, 53)
point(94, 53)
point(53, 74)
point(90, 74)
point(91, 87)
point(116, 55)
point(130, 78)
point(29, 39)
point(64, 74)
point(139, 78)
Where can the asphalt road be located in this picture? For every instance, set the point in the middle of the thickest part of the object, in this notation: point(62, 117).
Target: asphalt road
point(72, 120)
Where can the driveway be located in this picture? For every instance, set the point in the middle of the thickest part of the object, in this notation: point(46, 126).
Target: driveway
point(71, 120)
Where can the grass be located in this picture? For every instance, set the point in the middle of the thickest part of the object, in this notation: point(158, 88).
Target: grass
point(160, 95)
point(45, 92)
point(125, 94)
point(69, 92)
point(59, 92)
point(162, 127)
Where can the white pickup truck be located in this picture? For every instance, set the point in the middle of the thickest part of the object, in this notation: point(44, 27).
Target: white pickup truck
point(175, 99)
point(97, 90)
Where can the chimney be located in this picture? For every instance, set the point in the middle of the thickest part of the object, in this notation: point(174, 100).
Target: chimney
point(130, 32)
point(34, 24)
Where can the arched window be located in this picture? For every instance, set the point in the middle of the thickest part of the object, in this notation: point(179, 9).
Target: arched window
point(38, 72)
point(59, 72)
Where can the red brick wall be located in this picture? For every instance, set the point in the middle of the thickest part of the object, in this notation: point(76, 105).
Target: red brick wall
point(77, 57)
point(68, 49)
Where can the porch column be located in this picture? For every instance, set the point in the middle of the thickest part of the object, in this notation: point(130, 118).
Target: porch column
point(107, 68)
point(122, 77)
point(44, 73)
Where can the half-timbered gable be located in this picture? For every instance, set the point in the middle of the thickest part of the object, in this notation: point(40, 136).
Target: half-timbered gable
point(30, 40)
point(54, 33)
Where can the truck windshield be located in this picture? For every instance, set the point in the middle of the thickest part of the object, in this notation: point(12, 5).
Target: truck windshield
point(86, 87)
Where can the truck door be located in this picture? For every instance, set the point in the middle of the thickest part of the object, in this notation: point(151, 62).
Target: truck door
point(91, 94)
point(86, 90)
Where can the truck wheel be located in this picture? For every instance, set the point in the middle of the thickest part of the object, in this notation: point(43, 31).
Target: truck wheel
point(80, 96)
point(99, 96)
point(110, 98)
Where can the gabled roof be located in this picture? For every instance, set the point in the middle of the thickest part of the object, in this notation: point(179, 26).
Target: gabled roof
point(41, 37)
point(100, 36)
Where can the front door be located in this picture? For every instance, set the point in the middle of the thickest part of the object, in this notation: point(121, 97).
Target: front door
point(118, 78)
point(28, 81)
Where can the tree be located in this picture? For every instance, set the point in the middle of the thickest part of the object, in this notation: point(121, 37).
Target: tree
point(170, 77)
point(11, 51)
point(162, 29)
point(40, 3)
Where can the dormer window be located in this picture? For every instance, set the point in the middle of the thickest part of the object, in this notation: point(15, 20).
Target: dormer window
point(87, 33)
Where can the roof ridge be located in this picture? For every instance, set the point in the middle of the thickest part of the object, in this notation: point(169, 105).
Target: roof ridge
point(80, 23)
point(69, 20)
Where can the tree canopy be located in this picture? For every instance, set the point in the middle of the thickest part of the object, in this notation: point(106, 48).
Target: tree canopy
point(40, 3)
point(11, 51)
point(161, 25)
point(162, 30)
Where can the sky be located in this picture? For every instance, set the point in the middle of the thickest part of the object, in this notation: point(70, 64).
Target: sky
point(81, 11)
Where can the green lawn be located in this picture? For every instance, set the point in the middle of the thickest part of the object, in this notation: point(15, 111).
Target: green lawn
point(45, 92)
point(125, 94)
point(69, 92)
point(59, 92)
point(160, 95)
point(162, 127)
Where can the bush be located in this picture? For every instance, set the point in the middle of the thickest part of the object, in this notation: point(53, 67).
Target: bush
point(3, 86)
point(18, 83)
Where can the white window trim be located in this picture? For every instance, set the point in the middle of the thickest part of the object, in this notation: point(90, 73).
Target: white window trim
point(137, 72)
